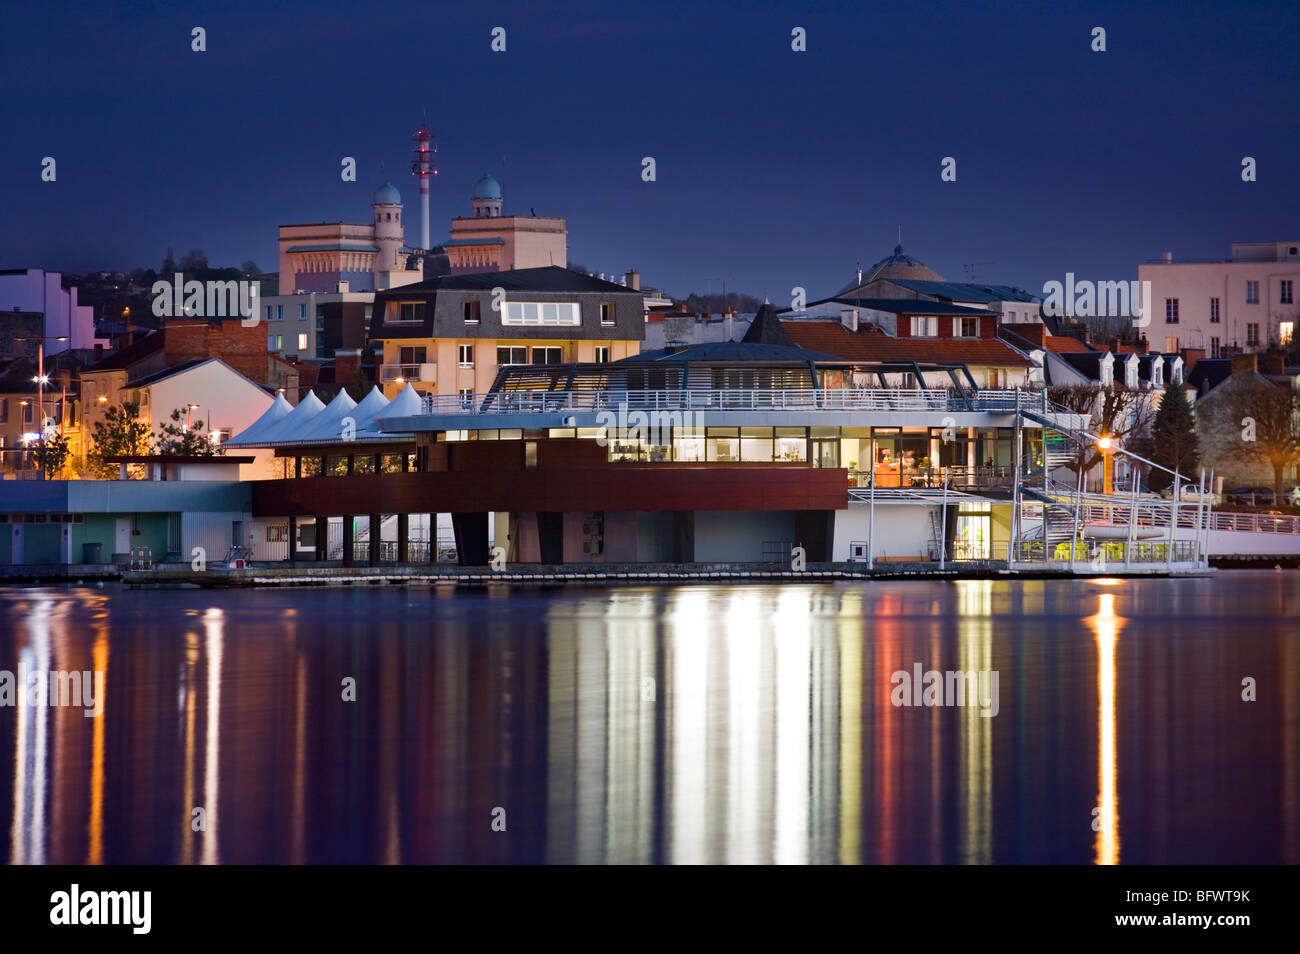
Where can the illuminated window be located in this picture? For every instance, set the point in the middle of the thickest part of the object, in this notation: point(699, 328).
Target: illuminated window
point(302, 341)
point(1285, 330)
point(540, 313)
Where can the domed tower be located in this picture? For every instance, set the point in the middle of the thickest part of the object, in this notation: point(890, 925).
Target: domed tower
point(487, 198)
point(387, 204)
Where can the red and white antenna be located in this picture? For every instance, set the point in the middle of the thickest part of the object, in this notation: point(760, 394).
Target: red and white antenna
point(422, 166)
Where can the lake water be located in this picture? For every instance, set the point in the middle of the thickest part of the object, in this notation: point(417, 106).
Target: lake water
point(747, 723)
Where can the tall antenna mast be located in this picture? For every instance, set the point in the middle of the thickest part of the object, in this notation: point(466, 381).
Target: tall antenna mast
point(422, 166)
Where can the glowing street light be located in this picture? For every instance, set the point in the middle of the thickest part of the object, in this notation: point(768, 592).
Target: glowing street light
point(1107, 447)
point(41, 379)
point(189, 416)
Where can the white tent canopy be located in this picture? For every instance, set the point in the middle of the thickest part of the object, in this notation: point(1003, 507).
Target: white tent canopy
point(313, 422)
point(278, 409)
point(289, 423)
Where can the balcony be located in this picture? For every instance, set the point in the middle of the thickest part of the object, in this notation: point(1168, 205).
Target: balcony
point(998, 401)
point(408, 372)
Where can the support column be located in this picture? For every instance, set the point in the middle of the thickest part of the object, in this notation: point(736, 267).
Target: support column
point(403, 537)
point(375, 532)
point(322, 538)
point(297, 466)
point(293, 539)
point(348, 542)
point(471, 531)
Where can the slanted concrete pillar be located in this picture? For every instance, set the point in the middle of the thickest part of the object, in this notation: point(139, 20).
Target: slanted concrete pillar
point(403, 537)
point(375, 532)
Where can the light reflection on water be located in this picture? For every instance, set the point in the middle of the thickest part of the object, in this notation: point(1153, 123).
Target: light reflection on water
point(743, 724)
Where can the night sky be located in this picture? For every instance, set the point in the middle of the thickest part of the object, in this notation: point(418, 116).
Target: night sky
point(775, 168)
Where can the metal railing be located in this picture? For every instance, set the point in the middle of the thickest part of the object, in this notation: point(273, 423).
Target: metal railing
point(408, 372)
point(744, 399)
point(1155, 513)
point(1103, 553)
point(962, 479)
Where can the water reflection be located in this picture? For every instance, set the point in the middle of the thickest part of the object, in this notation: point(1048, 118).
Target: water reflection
point(743, 724)
point(1106, 624)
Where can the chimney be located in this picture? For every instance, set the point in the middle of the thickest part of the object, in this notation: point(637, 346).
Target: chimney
point(849, 318)
point(99, 352)
point(633, 280)
point(347, 362)
point(1272, 361)
point(1245, 364)
point(342, 286)
point(728, 325)
point(1167, 257)
point(1035, 333)
point(1190, 357)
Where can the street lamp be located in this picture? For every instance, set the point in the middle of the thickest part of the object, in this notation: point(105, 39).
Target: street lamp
point(189, 416)
point(41, 380)
point(1107, 447)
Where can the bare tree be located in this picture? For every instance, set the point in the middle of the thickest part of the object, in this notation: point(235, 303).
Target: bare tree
point(1268, 416)
point(1121, 413)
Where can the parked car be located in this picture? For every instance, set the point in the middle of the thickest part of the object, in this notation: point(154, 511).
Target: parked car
point(1192, 491)
point(1250, 496)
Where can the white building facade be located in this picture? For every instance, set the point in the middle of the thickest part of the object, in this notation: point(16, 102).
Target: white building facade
point(1247, 302)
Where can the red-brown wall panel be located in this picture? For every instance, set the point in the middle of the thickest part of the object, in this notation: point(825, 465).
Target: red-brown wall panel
point(632, 487)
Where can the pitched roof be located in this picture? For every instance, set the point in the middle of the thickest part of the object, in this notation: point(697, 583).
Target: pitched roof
point(871, 344)
point(1208, 373)
point(1064, 344)
point(548, 278)
point(965, 291)
point(732, 351)
point(125, 357)
point(766, 329)
point(906, 306)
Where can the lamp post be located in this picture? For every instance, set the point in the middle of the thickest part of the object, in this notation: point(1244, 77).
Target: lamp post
point(189, 416)
point(41, 380)
point(1107, 446)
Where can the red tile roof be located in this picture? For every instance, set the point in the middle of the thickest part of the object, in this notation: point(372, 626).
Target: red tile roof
point(871, 344)
point(1063, 344)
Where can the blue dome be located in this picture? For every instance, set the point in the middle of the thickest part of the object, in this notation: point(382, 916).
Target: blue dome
point(487, 188)
point(387, 194)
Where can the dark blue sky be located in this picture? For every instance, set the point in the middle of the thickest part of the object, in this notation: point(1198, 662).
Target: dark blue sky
point(775, 168)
